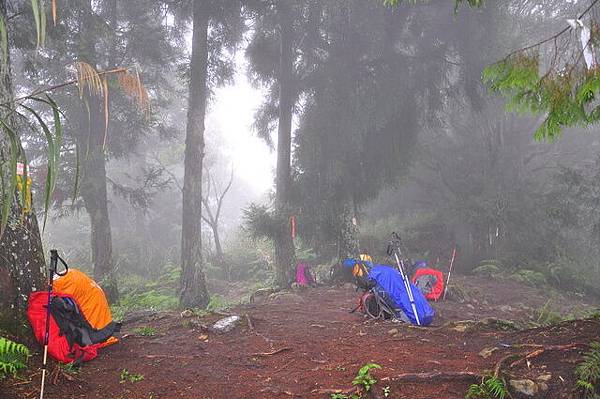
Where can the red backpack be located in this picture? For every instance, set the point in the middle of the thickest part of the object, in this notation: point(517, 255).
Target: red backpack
point(436, 289)
point(58, 345)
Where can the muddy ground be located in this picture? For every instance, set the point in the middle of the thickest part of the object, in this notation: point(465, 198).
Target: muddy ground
point(305, 344)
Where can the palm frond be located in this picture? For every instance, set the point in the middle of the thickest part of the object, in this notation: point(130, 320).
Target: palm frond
point(40, 21)
point(131, 85)
point(54, 12)
point(105, 89)
point(52, 170)
point(87, 77)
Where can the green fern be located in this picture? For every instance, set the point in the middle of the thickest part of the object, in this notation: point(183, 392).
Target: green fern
point(490, 388)
point(588, 372)
point(13, 357)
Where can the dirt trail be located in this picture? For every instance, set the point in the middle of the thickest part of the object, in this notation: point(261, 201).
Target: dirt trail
point(301, 343)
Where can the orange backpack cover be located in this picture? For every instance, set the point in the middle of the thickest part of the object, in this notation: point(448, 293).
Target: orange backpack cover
point(89, 297)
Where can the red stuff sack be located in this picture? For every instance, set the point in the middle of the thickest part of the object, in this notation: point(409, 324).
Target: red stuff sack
point(58, 345)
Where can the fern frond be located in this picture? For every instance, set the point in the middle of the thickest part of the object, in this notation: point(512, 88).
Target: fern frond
point(13, 357)
point(588, 371)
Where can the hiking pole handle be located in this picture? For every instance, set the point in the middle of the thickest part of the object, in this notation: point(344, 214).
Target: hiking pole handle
point(54, 258)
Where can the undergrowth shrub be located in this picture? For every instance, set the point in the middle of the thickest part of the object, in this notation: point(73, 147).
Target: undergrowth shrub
point(588, 373)
point(490, 388)
point(13, 357)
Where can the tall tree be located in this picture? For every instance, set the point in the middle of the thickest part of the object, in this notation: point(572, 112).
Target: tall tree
point(21, 253)
point(193, 283)
point(277, 63)
point(216, 28)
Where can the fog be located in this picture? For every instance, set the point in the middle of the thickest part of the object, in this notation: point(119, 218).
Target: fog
point(197, 152)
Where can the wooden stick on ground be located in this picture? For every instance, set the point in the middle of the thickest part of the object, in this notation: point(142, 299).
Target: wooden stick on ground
point(271, 353)
point(249, 320)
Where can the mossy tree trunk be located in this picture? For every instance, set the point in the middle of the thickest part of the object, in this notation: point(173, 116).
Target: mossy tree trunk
point(21, 254)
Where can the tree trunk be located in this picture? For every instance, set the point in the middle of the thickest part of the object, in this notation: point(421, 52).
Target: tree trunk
point(348, 244)
point(21, 253)
point(193, 285)
point(93, 192)
point(219, 256)
point(284, 246)
point(91, 144)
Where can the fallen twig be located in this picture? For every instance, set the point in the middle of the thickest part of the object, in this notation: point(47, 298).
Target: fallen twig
point(277, 391)
point(541, 350)
point(169, 357)
point(272, 352)
point(331, 391)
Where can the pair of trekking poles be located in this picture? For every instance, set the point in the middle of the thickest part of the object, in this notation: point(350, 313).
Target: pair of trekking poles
point(394, 248)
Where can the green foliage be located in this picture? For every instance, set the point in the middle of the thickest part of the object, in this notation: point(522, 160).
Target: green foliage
point(70, 368)
point(364, 378)
point(250, 259)
point(139, 293)
point(13, 357)
point(566, 96)
point(529, 277)
point(53, 141)
point(487, 270)
point(126, 376)
point(490, 388)
point(145, 331)
point(588, 373)
point(547, 316)
point(261, 221)
point(217, 303)
point(365, 381)
point(342, 396)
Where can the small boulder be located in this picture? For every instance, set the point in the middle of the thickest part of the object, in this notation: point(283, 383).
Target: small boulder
point(393, 331)
point(525, 387)
point(226, 324)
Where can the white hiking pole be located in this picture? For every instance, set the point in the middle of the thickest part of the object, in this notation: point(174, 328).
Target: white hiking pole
point(52, 270)
point(396, 245)
point(449, 272)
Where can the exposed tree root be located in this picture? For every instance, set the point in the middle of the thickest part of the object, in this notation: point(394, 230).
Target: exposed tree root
point(434, 375)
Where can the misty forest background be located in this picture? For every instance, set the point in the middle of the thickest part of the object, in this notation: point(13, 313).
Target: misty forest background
point(375, 111)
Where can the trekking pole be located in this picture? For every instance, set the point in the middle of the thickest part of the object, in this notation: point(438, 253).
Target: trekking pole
point(52, 270)
point(449, 272)
point(396, 245)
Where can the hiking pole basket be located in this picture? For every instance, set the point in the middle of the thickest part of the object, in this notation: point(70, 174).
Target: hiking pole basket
point(52, 270)
point(394, 248)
